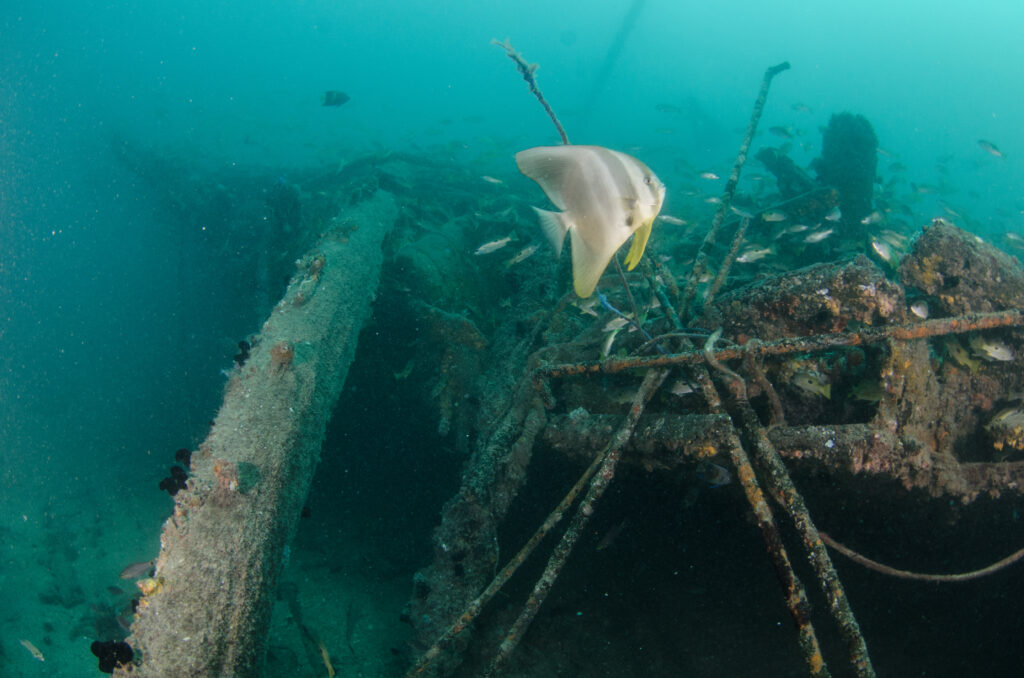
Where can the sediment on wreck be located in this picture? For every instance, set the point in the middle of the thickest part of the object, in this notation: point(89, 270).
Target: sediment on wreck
point(206, 610)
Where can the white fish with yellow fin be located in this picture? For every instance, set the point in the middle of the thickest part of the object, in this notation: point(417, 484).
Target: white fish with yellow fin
point(604, 196)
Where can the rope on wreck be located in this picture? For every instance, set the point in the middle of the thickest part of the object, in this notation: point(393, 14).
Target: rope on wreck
point(916, 576)
point(700, 265)
point(599, 483)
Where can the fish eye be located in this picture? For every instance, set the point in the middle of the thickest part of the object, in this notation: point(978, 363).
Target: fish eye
point(647, 180)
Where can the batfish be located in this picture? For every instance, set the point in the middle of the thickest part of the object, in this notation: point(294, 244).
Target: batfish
point(604, 196)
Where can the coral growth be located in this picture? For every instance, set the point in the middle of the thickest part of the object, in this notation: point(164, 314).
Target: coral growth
point(282, 354)
point(226, 473)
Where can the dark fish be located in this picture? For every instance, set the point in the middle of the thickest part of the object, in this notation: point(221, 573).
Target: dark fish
point(334, 98)
point(611, 535)
point(115, 591)
point(136, 570)
point(989, 147)
point(713, 474)
point(781, 132)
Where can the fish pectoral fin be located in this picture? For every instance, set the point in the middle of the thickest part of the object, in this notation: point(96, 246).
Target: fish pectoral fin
point(587, 265)
point(636, 250)
point(555, 225)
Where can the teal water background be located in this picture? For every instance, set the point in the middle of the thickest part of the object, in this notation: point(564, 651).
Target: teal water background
point(105, 367)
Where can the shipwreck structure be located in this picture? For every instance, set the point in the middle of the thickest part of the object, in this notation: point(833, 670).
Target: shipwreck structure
point(821, 370)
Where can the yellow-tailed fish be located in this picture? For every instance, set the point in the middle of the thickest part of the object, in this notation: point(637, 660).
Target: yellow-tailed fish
point(604, 196)
point(812, 382)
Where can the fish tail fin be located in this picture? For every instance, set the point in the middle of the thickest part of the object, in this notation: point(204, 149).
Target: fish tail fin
point(555, 225)
point(636, 250)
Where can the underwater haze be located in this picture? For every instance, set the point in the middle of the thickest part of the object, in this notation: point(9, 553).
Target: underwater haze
point(119, 313)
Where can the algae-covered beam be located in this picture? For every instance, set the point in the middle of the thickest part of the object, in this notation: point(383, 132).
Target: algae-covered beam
point(206, 610)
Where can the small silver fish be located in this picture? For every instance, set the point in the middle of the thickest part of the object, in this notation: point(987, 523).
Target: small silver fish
point(586, 306)
point(873, 218)
point(801, 108)
point(669, 219)
point(741, 213)
point(521, 255)
point(884, 250)
point(1014, 240)
point(1008, 418)
point(491, 180)
point(990, 148)
point(753, 254)
point(681, 388)
point(895, 239)
point(818, 236)
point(493, 246)
point(920, 309)
point(711, 176)
point(136, 570)
point(834, 214)
point(36, 654)
point(774, 216)
point(713, 200)
point(615, 324)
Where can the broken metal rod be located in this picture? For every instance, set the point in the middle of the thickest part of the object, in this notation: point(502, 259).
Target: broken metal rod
point(599, 483)
point(723, 271)
point(781, 486)
point(795, 593)
point(701, 263)
point(477, 604)
point(527, 70)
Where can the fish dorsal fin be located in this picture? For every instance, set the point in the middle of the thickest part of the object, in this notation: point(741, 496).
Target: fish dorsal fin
point(555, 225)
point(636, 250)
point(551, 167)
